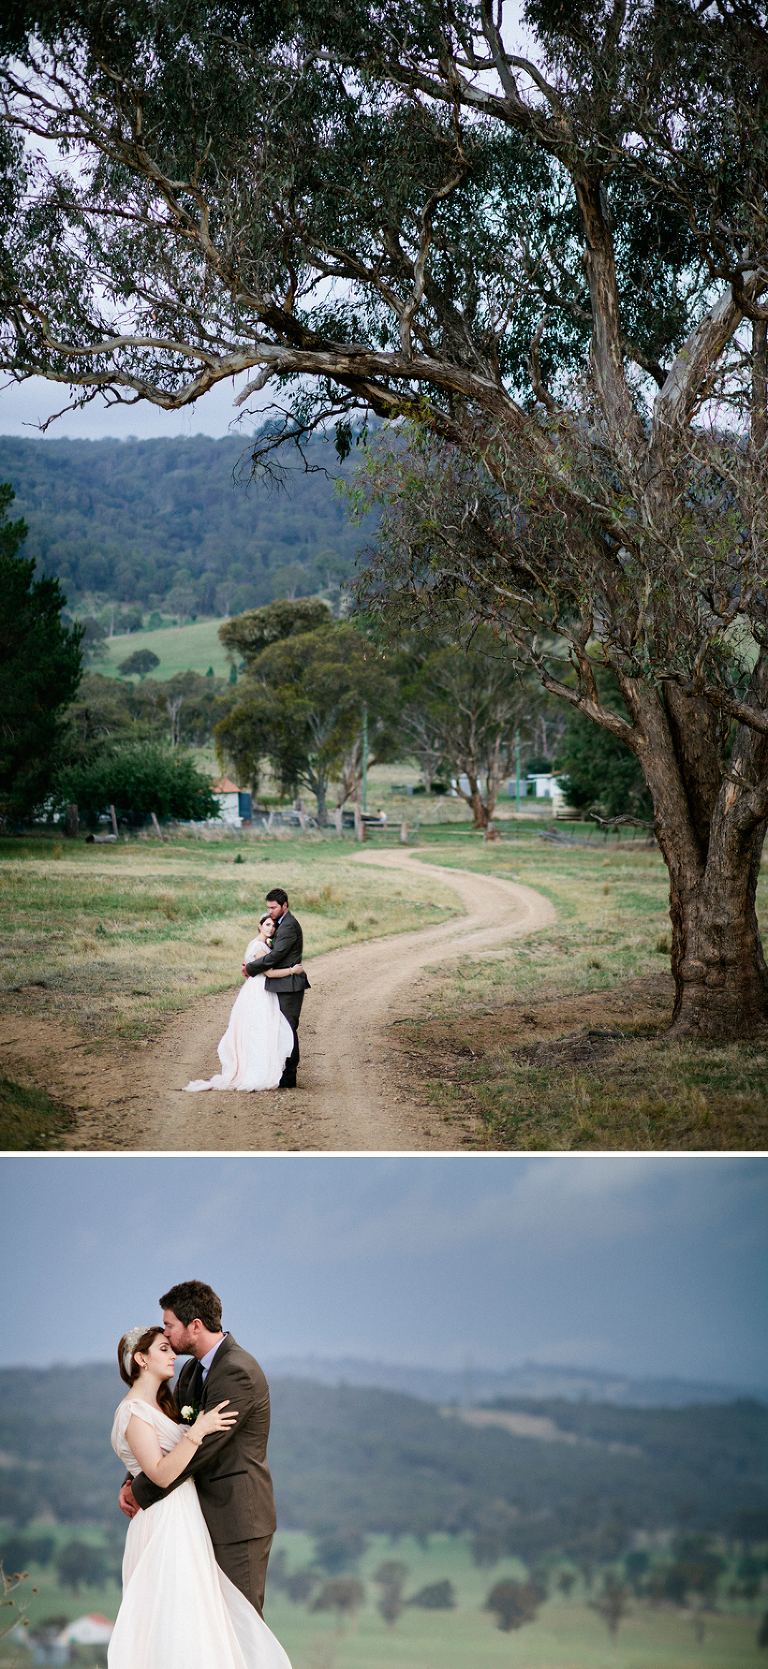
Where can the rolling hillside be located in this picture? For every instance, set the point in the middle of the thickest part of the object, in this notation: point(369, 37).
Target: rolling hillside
point(175, 525)
point(383, 1461)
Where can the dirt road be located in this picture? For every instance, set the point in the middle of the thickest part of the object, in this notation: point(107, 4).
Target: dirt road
point(344, 1101)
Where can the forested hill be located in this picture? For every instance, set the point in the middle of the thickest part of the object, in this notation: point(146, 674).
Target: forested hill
point(379, 1460)
point(133, 521)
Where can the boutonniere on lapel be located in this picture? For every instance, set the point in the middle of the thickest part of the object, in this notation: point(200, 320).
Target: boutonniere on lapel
point(190, 1412)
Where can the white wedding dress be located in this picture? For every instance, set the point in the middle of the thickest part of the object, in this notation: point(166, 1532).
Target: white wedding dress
point(258, 1039)
point(179, 1610)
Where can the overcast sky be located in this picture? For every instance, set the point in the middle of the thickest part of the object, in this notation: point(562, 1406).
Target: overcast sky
point(638, 1265)
point(24, 406)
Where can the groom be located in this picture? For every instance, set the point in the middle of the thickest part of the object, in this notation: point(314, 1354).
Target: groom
point(230, 1468)
point(287, 949)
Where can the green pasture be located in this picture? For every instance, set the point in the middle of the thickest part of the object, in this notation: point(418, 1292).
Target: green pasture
point(566, 1634)
point(191, 648)
point(602, 967)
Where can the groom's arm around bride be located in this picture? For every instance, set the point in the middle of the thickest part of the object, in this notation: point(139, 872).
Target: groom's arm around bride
point(287, 951)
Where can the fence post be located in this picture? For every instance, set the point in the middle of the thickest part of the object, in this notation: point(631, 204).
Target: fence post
point(404, 833)
point(359, 824)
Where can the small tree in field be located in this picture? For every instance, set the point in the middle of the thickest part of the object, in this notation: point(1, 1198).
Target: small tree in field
point(139, 663)
point(612, 1603)
point(391, 1577)
point(514, 1603)
point(467, 711)
point(79, 1563)
point(343, 1594)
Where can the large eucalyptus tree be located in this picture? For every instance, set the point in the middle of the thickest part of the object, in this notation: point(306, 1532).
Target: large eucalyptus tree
point(544, 242)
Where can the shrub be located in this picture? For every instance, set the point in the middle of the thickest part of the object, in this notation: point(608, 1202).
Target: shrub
point(138, 778)
point(437, 1596)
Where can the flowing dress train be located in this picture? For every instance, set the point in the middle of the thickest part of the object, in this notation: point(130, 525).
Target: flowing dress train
point(179, 1609)
point(258, 1039)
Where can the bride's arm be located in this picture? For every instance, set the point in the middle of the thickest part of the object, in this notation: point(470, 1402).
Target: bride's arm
point(282, 973)
point(163, 1469)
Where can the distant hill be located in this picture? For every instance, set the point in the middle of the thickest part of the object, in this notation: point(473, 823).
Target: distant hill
point(531, 1379)
point(379, 1460)
point(139, 520)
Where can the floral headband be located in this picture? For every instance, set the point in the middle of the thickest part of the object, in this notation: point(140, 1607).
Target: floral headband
point(131, 1340)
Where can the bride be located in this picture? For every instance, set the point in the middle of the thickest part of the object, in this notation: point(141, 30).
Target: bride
point(179, 1609)
point(258, 1039)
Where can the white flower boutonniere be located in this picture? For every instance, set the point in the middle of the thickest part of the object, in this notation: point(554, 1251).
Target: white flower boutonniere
point(189, 1413)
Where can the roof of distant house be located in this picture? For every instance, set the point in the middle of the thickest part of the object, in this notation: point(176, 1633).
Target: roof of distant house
point(91, 1630)
point(222, 785)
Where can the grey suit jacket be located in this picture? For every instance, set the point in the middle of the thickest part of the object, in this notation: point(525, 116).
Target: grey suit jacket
point(287, 949)
point(230, 1467)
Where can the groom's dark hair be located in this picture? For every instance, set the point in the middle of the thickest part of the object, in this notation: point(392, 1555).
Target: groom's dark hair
point(194, 1301)
point(277, 896)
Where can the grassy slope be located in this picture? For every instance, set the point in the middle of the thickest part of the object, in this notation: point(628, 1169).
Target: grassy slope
point(603, 967)
point(29, 1119)
point(191, 648)
point(566, 1634)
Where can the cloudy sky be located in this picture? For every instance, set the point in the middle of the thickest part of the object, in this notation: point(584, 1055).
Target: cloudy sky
point(24, 406)
point(644, 1265)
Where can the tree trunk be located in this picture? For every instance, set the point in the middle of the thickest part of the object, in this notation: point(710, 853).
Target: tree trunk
point(320, 791)
point(759, 413)
point(711, 841)
point(721, 979)
point(474, 798)
point(479, 808)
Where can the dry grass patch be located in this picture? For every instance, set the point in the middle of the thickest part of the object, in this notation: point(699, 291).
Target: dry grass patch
point(559, 1043)
point(112, 939)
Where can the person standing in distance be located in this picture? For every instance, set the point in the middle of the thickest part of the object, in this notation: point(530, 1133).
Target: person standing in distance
point(287, 949)
point(230, 1469)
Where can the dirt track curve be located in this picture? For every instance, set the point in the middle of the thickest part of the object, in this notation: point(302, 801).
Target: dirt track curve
point(343, 1102)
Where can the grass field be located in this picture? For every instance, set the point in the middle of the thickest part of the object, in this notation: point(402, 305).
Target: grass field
point(560, 1042)
point(566, 1634)
point(115, 938)
point(191, 648)
point(557, 1043)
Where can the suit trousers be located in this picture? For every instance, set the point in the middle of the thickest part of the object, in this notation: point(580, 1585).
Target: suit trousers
point(290, 1003)
point(245, 1563)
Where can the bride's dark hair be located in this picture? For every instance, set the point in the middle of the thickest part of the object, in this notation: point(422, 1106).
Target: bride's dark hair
point(166, 1398)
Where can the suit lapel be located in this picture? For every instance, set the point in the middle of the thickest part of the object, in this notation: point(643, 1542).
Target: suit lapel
point(218, 1358)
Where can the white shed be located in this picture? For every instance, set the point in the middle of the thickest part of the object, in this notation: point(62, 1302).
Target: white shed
point(230, 801)
point(92, 1630)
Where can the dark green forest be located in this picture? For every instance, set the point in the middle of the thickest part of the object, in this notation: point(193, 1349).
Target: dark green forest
point(176, 525)
point(376, 1460)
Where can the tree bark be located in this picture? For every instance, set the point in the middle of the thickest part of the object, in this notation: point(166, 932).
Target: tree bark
point(759, 413)
point(712, 847)
point(721, 979)
point(319, 787)
point(474, 798)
